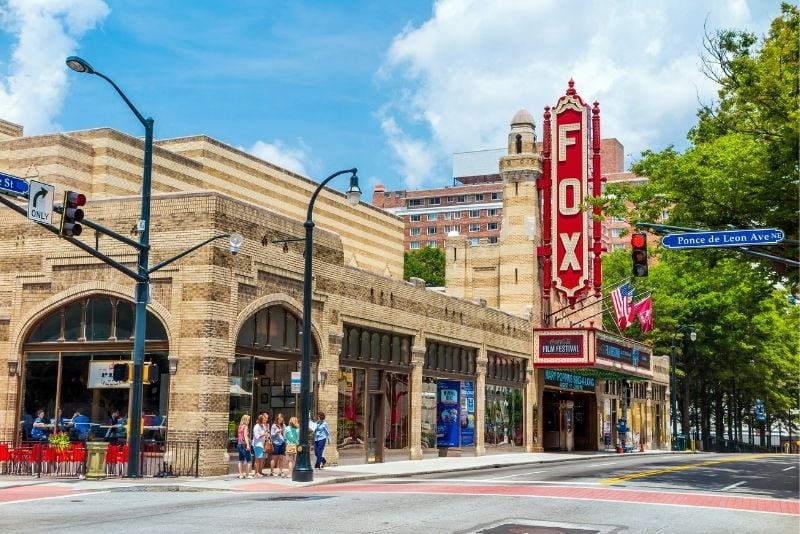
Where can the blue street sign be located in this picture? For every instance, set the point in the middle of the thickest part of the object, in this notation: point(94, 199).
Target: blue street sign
point(724, 238)
point(13, 184)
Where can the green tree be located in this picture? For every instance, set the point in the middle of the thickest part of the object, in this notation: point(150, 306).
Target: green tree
point(426, 263)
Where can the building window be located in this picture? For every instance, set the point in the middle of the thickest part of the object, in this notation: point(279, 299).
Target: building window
point(618, 219)
point(433, 216)
point(616, 232)
point(474, 227)
point(461, 199)
point(492, 240)
point(497, 195)
point(664, 215)
point(414, 245)
point(414, 218)
point(456, 214)
point(413, 231)
point(474, 242)
point(470, 198)
point(451, 199)
point(434, 201)
point(474, 214)
point(431, 244)
point(619, 246)
point(492, 212)
point(492, 226)
point(414, 202)
point(432, 230)
point(447, 216)
point(387, 194)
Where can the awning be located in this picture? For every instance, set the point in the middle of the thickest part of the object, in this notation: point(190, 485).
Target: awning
point(591, 352)
point(237, 391)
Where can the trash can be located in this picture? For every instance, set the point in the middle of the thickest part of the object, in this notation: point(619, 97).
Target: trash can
point(96, 460)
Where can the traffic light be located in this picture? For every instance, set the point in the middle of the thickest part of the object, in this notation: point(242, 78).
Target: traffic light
point(150, 373)
point(72, 214)
point(122, 372)
point(639, 254)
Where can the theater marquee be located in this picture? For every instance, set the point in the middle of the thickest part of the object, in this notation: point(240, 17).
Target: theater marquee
point(591, 352)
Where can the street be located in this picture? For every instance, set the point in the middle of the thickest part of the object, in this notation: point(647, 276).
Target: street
point(669, 493)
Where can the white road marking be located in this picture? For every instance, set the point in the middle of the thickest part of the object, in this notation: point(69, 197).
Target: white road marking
point(53, 497)
point(450, 481)
point(726, 488)
point(517, 475)
point(788, 468)
point(602, 465)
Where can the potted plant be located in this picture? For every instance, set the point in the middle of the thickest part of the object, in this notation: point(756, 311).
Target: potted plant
point(59, 441)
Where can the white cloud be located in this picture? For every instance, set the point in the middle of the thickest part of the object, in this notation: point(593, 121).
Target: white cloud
point(47, 31)
point(277, 153)
point(466, 71)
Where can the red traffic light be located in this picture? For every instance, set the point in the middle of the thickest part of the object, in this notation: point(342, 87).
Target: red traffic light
point(639, 240)
point(76, 199)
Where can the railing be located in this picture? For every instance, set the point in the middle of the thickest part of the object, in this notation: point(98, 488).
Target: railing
point(157, 459)
point(36, 458)
point(725, 445)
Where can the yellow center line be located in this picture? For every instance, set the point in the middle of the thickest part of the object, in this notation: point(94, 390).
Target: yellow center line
point(652, 472)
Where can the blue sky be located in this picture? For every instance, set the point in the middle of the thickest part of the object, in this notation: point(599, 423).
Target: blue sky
point(391, 87)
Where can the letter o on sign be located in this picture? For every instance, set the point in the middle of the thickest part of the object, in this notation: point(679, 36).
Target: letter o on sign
point(573, 186)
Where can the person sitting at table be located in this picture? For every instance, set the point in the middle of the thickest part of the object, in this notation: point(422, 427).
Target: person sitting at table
point(114, 422)
point(80, 426)
point(41, 427)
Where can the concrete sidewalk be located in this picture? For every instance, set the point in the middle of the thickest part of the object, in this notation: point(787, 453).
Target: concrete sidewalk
point(329, 475)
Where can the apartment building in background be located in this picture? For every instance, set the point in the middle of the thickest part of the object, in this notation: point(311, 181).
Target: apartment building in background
point(473, 205)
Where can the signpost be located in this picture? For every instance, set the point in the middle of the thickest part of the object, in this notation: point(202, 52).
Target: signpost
point(724, 238)
point(12, 184)
point(40, 202)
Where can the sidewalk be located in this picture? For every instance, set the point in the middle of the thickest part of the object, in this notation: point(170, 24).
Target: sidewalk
point(329, 475)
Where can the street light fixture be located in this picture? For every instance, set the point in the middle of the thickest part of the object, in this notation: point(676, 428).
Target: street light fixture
point(143, 282)
point(686, 329)
point(303, 471)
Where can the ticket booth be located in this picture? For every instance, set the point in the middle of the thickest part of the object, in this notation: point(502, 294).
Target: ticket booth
point(567, 431)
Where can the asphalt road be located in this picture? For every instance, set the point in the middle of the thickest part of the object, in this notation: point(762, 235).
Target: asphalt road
point(683, 494)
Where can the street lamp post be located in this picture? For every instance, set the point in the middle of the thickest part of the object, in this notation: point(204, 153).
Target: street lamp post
point(143, 283)
point(673, 383)
point(303, 472)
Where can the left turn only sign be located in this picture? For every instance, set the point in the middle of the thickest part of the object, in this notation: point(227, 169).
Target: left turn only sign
point(40, 202)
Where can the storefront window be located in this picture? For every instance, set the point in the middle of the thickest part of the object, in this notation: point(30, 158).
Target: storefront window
point(350, 420)
point(241, 396)
point(503, 416)
point(397, 425)
point(68, 372)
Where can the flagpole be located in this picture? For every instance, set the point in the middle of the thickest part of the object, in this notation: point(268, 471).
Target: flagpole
point(619, 282)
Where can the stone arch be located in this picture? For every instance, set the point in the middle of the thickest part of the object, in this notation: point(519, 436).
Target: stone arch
point(282, 299)
point(44, 308)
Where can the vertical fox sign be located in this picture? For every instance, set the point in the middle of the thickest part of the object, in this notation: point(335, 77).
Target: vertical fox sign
point(566, 247)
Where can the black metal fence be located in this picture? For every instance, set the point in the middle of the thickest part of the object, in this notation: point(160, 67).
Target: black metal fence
point(36, 458)
point(157, 459)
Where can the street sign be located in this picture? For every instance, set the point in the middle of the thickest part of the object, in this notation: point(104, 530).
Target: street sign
point(725, 238)
point(295, 382)
point(40, 202)
point(13, 184)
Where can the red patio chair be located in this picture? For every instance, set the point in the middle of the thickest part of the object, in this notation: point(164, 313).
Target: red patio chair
point(112, 459)
point(5, 459)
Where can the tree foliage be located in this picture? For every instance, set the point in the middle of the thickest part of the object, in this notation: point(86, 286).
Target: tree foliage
point(741, 168)
point(426, 263)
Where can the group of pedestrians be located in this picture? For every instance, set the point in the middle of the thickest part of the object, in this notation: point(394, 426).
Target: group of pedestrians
point(275, 445)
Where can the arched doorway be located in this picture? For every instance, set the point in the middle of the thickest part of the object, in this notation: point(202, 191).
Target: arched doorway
point(268, 350)
point(68, 359)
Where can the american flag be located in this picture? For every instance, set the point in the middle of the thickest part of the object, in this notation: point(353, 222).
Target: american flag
point(622, 298)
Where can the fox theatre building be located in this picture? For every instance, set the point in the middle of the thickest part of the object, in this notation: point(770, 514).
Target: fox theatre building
point(587, 378)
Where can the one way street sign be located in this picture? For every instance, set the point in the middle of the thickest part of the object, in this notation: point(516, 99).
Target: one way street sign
point(40, 202)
